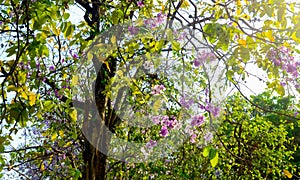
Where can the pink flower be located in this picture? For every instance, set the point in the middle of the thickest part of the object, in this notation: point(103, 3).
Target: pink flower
point(164, 131)
point(158, 89)
point(193, 138)
point(197, 120)
point(140, 4)
point(156, 119)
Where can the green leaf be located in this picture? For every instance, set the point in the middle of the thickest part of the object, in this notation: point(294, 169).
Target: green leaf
point(175, 45)
point(280, 89)
point(280, 13)
point(66, 16)
point(212, 153)
point(23, 118)
point(229, 75)
point(298, 33)
point(156, 105)
point(268, 10)
point(169, 33)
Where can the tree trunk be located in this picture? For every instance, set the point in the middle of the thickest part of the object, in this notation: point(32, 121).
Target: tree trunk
point(97, 144)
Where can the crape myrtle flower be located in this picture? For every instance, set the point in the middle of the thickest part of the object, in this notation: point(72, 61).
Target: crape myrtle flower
point(158, 89)
point(151, 144)
point(197, 120)
point(164, 131)
point(140, 4)
point(208, 137)
point(133, 30)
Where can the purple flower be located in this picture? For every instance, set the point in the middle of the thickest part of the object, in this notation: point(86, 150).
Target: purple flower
point(182, 36)
point(140, 4)
point(197, 63)
point(212, 109)
point(282, 83)
point(167, 160)
point(193, 138)
point(185, 103)
point(75, 56)
point(208, 137)
point(156, 119)
point(133, 30)
point(28, 74)
point(164, 131)
point(1, 23)
point(296, 114)
point(197, 120)
point(51, 68)
point(151, 144)
point(171, 123)
point(160, 18)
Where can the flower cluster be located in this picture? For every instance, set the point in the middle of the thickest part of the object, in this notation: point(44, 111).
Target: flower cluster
point(283, 58)
point(140, 4)
point(215, 110)
point(158, 89)
point(197, 120)
point(133, 30)
point(153, 23)
point(186, 103)
point(151, 144)
point(204, 56)
point(167, 123)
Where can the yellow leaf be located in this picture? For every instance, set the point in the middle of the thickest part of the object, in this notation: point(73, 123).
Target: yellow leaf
point(214, 161)
point(12, 88)
point(156, 105)
point(185, 4)
point(113, 40)
point(42, 167)
point(73, 115)
point(288, 174)
point(54, 136)
point(32, 99)
point(107, 65)
point(242, 42)
point(24, 95)
point(238, 11)
point(269, 35)
point(74, 80)
point(68, 144)
point(61, 133)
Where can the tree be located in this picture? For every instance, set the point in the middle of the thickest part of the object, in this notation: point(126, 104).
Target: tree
point(44, 95)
